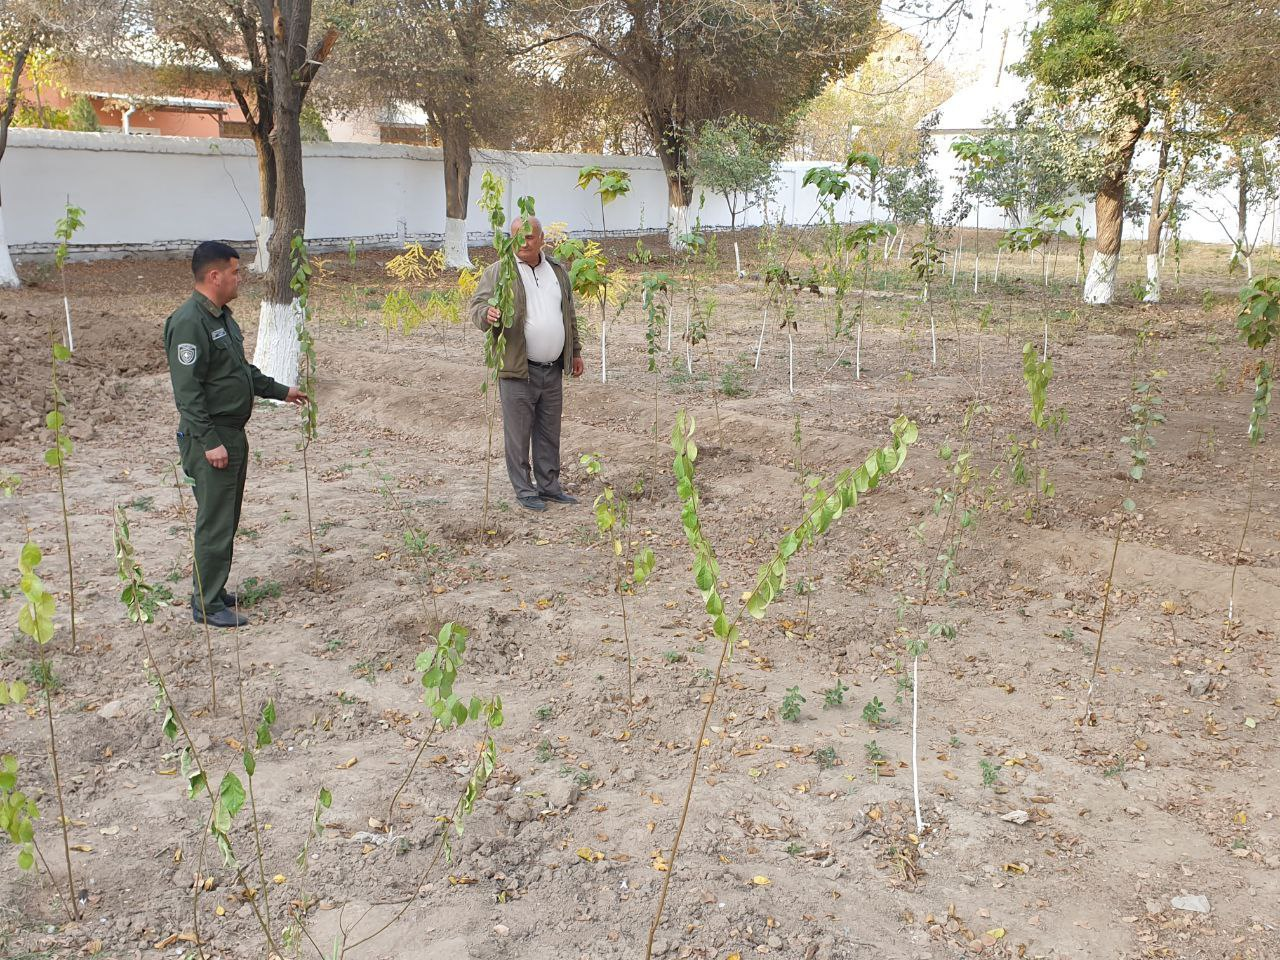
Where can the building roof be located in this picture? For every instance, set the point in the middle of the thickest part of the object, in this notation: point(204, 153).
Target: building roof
point(168, 103)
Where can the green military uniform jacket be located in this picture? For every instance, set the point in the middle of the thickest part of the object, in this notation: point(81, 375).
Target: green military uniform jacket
point(213, 383)
point(515, 361)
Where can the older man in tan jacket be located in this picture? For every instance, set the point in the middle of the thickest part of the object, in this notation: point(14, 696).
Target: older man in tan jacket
point(542, 346)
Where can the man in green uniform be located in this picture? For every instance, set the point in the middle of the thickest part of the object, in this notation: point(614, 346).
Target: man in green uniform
point(213, 387)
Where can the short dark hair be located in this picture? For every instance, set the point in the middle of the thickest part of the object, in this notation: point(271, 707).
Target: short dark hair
point(210, 254)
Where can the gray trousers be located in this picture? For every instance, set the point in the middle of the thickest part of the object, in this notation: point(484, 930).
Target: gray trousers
point(531, 420)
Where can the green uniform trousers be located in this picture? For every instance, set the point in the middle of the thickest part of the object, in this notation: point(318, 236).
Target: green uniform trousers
point(219, 494)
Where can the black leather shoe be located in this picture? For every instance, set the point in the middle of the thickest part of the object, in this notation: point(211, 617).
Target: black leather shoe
point(560, 497)
point(532, 503)
point(222, 618)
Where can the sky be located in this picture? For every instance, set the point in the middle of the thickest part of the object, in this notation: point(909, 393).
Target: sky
point(969, 47)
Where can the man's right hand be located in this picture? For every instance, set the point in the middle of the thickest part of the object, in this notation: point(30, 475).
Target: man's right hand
point(494, 316)
point(217, 457)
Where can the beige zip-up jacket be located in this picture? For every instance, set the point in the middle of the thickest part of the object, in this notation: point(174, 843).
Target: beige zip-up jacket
point(515, 362)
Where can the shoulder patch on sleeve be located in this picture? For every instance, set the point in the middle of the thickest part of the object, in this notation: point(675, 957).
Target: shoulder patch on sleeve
point(186, 354)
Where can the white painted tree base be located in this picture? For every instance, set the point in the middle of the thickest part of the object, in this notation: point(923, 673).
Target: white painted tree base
point(8, 276)
point(1152, 294)
point(1100, 284)
point(457, 255)
point(277, 351)
point(262, 256)
point(677, 226)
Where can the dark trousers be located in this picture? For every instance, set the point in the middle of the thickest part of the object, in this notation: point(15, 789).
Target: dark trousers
point(219, 495)
point(531, 421)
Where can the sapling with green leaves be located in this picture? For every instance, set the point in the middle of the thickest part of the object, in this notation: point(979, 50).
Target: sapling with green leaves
point(1036, 374)
point(56, 457)
point(590, 279)
point(959, 518)
point(437, 668)
point(609, 184)
point(71, 220)
point(504, 300)
point(300, 283)
point(926, 261)
point(1259, 325)
point(18, 811)
point(1144, 414)
point(827, 504)
point(629, 569)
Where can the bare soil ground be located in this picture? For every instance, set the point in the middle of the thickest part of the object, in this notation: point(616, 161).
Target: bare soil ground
point(799, 843)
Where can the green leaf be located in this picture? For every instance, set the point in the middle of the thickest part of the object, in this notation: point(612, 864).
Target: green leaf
point(756, 605)
point(230, 799)
point(1129, 505)
point(30, 558)
point(25, 860)
point(326, 798)
point(60, 352)
point(250, 764)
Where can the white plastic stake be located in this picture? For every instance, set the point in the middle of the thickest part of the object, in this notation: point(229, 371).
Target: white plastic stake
point(760, 342)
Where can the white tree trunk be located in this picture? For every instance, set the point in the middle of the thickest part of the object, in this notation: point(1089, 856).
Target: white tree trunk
point(1152, 294)
point(262, 258)
point(457, 255)
point(677, 226)
point(277, 351)
point(1100, 284)
point(8, 276)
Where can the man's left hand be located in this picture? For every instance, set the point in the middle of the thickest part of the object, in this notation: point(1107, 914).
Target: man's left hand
point(296, 396)
point(577, 366)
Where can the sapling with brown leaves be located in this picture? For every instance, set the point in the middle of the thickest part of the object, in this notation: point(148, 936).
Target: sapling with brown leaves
point(1145, 413)
point(18, 811)
point(628, 569)
point(827, 503)
point(1259, 326)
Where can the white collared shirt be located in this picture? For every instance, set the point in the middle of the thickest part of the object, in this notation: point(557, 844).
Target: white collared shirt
point(544, 315)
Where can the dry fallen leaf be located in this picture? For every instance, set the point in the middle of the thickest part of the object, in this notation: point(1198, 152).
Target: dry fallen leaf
point(761, 881)
point(82, 848)
point(347, 765)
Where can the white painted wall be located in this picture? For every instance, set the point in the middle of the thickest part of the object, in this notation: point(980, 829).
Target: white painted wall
point(164, 194)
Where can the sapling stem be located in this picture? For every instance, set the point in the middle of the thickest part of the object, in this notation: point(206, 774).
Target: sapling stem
point(253, 803)
point(195, 568)
point(827, 507)
point(764, 320)
point(71, 903)
point(134, 598)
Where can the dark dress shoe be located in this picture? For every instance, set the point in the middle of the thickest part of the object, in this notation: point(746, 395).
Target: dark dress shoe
point(532, 503)
point(559, 497)
point(221, 618)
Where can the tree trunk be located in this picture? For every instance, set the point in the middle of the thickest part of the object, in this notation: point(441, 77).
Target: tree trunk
point(455, 134)
point(8, 275)
point(277, 351)
point(266, 202)
point(673, 152)
point(1155, 224)
point(1242, 214)
point(1100, 284)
